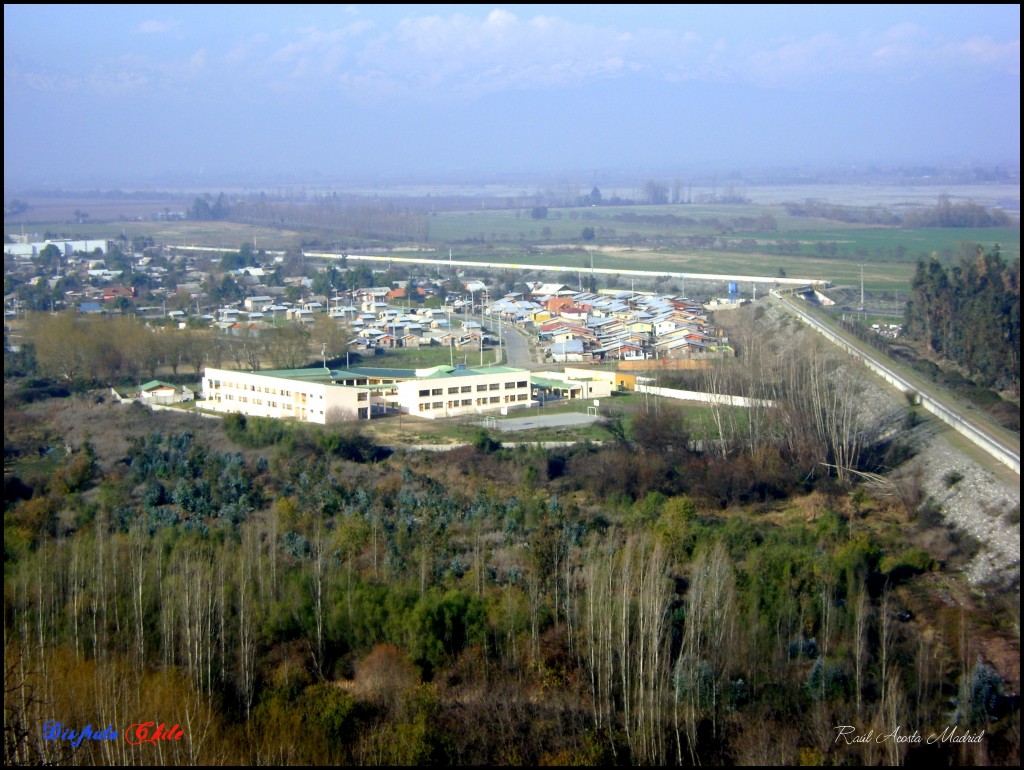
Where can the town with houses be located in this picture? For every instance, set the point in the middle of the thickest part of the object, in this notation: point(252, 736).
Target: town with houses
point(565, 327)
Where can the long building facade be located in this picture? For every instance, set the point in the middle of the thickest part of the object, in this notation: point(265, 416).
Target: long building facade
point(330, 395)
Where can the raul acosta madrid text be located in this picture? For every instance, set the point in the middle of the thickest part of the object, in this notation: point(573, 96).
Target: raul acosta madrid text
point(849, 735)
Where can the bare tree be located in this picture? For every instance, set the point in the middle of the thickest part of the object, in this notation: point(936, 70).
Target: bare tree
point(249, 561)
point(196, 347)
point(286, 346)
point(704, 656)
point(861, 618)
point(622, 625)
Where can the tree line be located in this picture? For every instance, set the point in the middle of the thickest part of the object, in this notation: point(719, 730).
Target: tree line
point(84, 351)
point(944, 214)
point(383, 221)
point(970, 314)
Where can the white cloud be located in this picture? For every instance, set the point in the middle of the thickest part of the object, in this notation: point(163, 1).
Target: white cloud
point(988, 53)
point(797, 60)
point(244, 51)
point(44, 81)
point(469, 53)
point(464, 56)
point(902, 51)
point(196, 64)
point(320, 53)
point(118, 80)
point(154, 27)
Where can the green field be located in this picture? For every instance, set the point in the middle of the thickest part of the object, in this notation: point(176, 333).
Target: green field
point(566, 226)
point(801, 247)
point(426, 357)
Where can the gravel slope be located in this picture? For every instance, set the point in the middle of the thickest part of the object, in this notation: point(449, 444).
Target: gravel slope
point(982, 504)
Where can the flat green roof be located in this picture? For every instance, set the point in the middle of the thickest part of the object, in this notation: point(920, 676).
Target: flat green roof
point(317, 374)
point(546, 383)
point(295, 374)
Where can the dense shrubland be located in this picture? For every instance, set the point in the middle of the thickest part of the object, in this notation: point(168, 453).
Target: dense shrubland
point(693, 593)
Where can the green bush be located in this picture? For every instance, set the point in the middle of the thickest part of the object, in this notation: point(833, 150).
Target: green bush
point(350, 444)
point(443, 625)
point(330, 710)
point(256, 432)
point(912, 561)
point(483, 442)
point(952, 478)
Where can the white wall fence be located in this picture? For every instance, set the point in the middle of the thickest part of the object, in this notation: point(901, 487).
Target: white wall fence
point(707, 398)
point(193, 411)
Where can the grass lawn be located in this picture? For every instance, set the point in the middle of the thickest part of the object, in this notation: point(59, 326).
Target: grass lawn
point(425, 357)
point(36, 467)
point(395, 429)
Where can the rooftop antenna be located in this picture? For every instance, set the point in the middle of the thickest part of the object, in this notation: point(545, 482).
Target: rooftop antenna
point(323, 354)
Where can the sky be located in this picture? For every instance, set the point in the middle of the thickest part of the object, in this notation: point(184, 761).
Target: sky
point(132, 95)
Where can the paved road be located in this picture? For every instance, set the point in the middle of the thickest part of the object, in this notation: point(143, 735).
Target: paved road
point(517, 346)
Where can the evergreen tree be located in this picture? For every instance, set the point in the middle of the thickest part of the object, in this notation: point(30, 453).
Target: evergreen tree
point(970, 314)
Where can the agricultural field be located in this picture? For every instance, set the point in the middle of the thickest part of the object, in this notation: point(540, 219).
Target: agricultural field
point(809, 247)
point(743, 239)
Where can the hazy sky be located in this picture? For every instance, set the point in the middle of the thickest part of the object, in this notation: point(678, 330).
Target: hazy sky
point(126, 93)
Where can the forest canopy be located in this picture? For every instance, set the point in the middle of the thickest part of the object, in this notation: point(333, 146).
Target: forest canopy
point(970, 314)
